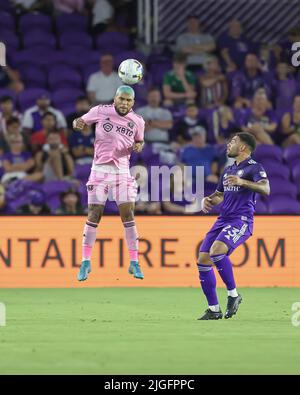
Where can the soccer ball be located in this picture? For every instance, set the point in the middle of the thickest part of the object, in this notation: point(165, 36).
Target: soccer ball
point(130, 71)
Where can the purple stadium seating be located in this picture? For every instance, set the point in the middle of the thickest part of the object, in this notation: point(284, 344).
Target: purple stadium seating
point(28, 97)
point(6, 5)
point(82, 172)
point(7, 21)
point(282, 187)
point(53, 203)
point(90, 69)
point(80, 39)
point(261, 207)
point(65, 96)
point(296, 175)
point(130, 55)
point(64, 77)
point(264, 151)
point(113, 42)
point(10, 39)
point(67, 108)
point(71, 22)
point(31, 21)
point(283, 205)
point(10, 93)
point(52, 188)
point(33, 76)
point(291, 153)
point(276, 169)
point(35, 38)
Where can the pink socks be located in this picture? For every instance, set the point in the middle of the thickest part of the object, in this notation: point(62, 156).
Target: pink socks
point(89, 237)
point(132, 239)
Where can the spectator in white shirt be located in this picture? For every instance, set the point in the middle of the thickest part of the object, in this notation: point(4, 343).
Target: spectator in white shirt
point(102, 85)
point(103, 13)
point(195, 44)
point(32, 120)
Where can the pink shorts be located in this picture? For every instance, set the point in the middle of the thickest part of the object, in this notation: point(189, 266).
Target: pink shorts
point(122, 188)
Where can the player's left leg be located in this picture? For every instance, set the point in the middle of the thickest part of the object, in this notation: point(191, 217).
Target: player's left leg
point(131, 235)
point(219, 256)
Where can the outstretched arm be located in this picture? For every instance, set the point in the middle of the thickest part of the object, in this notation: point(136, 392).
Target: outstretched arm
point(261, 186)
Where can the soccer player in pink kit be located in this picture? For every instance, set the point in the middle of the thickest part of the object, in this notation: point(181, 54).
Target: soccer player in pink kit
point(119, 131)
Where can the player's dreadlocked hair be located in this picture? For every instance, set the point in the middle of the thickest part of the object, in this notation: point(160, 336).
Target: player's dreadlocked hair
point(248, 139)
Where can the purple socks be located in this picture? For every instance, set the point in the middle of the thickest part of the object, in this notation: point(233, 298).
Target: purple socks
point(224, 268)
point(208, 283)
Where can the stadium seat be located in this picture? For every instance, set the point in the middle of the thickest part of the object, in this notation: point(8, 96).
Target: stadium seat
point(7, 21)
point(130, 55)
point(283, 205)
point(52, 188)
point(291, 153)
point(90, 69)
point(113, 42)
point(80, 39)
point(264, 151)
point(65, 96)
point(64, 77)
point(71, 22)
point(7, 6)
point(38, 37)
point(10, 39)
point(82, 172)
point(33, 76)
point(283, 187)
point(31, 21)
point(10, 93)
point(28, 97)
point(276, 169)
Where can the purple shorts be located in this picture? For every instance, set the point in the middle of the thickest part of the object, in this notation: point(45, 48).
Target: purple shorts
point(122, 188)
point(232, 232)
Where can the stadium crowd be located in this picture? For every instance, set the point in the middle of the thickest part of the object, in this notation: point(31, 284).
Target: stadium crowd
point(62, 58)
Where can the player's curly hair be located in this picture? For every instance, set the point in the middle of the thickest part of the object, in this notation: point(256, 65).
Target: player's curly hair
point(248, 139)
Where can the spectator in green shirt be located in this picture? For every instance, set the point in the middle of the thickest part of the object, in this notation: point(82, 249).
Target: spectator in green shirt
point(179, 85)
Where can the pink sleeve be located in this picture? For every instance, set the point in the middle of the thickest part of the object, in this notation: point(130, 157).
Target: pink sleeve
point(140, 130)
point(92, 116)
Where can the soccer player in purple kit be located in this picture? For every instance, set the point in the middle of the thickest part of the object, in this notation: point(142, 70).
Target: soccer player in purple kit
point(237, 189)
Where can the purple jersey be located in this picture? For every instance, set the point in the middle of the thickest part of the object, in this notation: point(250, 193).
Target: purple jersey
point(239, 202)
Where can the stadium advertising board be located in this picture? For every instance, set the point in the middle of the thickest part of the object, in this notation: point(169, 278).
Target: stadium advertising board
point(46, 252)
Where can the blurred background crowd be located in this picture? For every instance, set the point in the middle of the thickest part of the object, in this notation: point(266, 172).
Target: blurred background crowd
point(62, 58)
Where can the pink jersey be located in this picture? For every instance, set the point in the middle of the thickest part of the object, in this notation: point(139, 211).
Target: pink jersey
point(115, 134)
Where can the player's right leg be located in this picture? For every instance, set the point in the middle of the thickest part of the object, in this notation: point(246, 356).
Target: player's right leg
point(95, 212)
point(207, 276)
point(97, 188)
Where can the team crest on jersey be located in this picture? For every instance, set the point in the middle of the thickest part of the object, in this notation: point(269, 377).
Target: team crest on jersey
point(130, 125)
point(240, 173)
point(107, 126)
point(90, 188)
point(263, 174)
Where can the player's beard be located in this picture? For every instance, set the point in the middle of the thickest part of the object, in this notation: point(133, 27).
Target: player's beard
point(121, 113)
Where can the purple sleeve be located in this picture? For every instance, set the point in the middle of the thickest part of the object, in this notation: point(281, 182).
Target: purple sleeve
point(258, 173)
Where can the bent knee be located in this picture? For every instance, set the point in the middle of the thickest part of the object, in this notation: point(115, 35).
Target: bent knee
point(204, 258)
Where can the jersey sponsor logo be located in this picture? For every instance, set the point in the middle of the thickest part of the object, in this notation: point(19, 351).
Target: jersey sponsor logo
point(231, 188)
point(107, 127)
point(263, 174)
point(122, 130)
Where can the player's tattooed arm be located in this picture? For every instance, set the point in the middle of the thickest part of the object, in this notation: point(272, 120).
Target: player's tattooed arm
point(138, 146)
point(213, 200)
point(261, 186)
point(79, 124)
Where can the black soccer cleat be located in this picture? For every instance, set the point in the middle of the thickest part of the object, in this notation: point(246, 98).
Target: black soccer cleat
point(211, 315)
point(232, 306)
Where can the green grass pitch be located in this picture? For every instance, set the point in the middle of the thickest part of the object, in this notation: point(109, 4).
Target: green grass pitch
point(146, 331)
